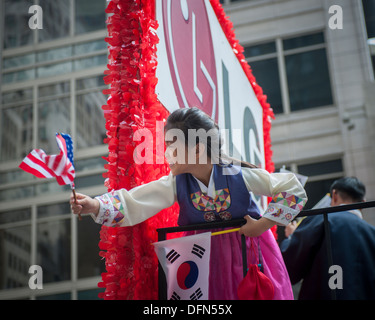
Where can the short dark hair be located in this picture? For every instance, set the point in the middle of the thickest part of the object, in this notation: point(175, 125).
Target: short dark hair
point(350, 187)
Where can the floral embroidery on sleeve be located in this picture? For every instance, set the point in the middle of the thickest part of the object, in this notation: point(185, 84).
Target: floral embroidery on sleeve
point(284, 207)
point(112, 210)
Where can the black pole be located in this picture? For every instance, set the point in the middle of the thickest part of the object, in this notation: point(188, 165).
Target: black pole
point(327, 233)
point(244, 256)
point(162, 290)
point(345, 207)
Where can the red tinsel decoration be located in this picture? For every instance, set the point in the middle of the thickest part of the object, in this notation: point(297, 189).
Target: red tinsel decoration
point(132, 105)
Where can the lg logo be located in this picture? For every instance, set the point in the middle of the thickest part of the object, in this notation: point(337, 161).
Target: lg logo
point(191, 54)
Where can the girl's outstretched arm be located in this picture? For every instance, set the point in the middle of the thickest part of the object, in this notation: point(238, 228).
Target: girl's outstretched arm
point(128, 207)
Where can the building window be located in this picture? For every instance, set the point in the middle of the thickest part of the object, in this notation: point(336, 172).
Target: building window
point(53, 242)
point(293, 72)
point(89, 15)
point(56, 20)
point(320, 177)
point(90, 120)
point(62, 18)
point(53, 112)
point(16, 131)
point(17, 16)
point(15, 253)
point(369, 12)
point(268, 78)
point(54, 61)
point(53, 250)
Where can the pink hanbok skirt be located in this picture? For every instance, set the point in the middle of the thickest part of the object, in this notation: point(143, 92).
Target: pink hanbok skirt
point(226, 268)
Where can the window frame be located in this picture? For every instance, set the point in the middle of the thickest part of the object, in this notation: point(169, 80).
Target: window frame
point(280, 54)
point(294, 167)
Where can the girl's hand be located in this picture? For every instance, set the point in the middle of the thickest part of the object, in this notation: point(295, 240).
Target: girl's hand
point(84, 204)
point(254, 228)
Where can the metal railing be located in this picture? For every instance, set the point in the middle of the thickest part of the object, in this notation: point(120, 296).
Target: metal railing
point(162, 235)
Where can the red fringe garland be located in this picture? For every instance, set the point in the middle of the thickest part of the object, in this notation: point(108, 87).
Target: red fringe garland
point(132, 105)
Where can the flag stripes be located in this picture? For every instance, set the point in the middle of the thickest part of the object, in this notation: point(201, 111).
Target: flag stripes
point(41, 165)
point(34, 164)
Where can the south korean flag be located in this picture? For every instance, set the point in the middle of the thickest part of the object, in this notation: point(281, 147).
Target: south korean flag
point(185, 262)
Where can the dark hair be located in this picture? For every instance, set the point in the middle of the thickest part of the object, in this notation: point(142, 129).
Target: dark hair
point(196, 119)
point(350, 187)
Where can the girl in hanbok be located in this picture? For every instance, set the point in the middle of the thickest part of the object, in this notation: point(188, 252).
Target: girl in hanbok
point(210, 186)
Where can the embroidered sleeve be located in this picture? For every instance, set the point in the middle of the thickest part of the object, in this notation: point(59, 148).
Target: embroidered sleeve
point(288, 195)
point(128, 208)
point(284, 207)
point(112, 210)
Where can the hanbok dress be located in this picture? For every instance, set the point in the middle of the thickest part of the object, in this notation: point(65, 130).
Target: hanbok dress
point(229, 195)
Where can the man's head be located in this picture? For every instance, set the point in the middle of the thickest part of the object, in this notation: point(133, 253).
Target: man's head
point(347, 190)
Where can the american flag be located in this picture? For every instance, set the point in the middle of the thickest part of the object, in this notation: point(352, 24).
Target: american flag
point(60, 166)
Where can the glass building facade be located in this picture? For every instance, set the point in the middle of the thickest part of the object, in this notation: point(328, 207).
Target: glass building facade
point(51, 81)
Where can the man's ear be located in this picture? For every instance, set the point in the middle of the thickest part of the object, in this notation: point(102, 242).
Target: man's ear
point(334, 197)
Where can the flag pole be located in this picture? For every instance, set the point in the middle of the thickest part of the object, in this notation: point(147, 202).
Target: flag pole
point(224, 231)
point(72, 185)
point(220, 232)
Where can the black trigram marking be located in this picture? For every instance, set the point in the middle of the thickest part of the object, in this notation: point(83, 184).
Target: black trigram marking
point(175, 296)
point(172, 256)
point(198, 251)
point(197, 294)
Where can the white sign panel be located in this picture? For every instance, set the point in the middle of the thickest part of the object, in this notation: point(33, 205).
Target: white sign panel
point(197, 67)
